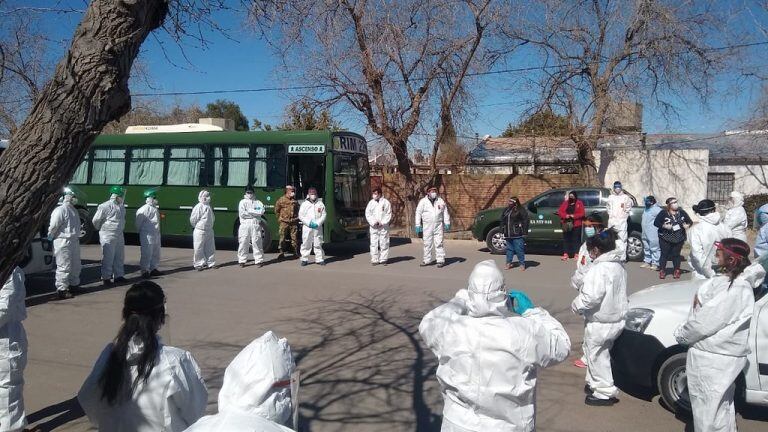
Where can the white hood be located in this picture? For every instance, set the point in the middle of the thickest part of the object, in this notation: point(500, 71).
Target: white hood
point(257, 382)
point(486, 291)
point(202, 196)
point(711, 218)
point(737, 199)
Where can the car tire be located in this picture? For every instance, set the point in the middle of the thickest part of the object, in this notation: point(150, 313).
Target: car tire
point(495, 241)
point(87, 230)
point(672, 385)
point(635, 246)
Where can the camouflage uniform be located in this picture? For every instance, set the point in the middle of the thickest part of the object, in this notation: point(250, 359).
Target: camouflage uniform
point(286, 210)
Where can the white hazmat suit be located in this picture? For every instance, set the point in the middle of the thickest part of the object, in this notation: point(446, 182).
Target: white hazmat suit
point(110, 221)
point(250, 211)
point(203, 240)
point(602, 301)
point(13, 352)
point(148, 227)
point(173, 397)
point(717, 331)
point(619, 206)
point(64, 228)
point(255, 395)
point(703, 236)
point(736, 217)
point(489, 357)
point(312, 213)
point(378, 213)
point(432, 216)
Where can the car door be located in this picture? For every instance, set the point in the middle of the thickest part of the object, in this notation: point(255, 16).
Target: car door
point(545, 227)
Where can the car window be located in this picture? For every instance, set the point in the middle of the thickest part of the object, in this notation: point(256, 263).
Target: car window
point(552, 199)
point(590, 198)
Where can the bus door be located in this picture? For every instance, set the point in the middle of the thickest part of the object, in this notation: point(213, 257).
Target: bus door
point(306, 168)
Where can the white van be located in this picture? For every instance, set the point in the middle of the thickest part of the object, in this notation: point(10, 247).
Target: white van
point(647, 356)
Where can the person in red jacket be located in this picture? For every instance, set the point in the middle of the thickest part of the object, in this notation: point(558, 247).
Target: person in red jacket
point(572, 215)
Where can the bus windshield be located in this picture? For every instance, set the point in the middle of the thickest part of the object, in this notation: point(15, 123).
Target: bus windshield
point(351, 188)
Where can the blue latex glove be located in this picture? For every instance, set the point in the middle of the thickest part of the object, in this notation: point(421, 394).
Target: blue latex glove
point(312, 225)
point(50, 238)
point(520, 302)
point(418, 230)
point(447, 227)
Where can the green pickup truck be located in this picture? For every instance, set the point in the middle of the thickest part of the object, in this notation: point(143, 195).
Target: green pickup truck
point(545, 231)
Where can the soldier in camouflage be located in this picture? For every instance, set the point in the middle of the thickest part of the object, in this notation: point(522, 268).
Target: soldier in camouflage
point(286, 209)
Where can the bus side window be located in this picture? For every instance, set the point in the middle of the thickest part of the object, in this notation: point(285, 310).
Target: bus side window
point(230, 165)
point(146, 166)
point(108, 166)
point(185, 166)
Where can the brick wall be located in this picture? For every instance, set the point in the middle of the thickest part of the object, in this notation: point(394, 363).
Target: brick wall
point(467, 194)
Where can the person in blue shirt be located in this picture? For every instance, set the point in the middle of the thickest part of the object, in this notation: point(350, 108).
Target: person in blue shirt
point(651, 247)
point(761, 216)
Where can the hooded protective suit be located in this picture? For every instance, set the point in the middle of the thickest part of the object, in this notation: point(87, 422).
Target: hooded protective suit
point(432, 216)
point(489, 357)
point(761, 216)
point(312, 216)
point(173, 397)
point(64, 228)
point(717, 331)
point(148, 227)
point(250, 211)
point(619, 206)
point(255, 395)
point(203, 241)
point(650, 235)
point(13, 352)
point(602, 301)
point(378, 213)
point(703, 236)
point(761, 242)
point(736, 217)
point(110, 221)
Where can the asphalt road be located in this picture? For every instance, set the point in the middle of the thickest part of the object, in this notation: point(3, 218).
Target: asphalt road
point(353, 329)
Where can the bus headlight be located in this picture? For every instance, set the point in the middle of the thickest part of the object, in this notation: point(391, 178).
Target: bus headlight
point(638, 319)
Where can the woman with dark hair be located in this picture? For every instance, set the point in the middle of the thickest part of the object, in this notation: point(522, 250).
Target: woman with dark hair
point(139, 384)
point(672, 223)
point(514, 223)
point(571, 214)
point(717, 332)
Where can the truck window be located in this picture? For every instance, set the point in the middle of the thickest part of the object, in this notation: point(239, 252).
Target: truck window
point(590, 198)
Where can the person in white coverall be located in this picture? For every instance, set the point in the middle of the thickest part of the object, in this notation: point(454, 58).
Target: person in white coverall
point(619, 206)
point(13, 353)
point(255, 395)
point(139, 384)
point(64, 230)
point(717, 332)
point(432, 219)
point(378, 213)
point(148, 227)
point(603, 303)
point(312, 216)
point(203, 240)
point(489, 356)
point(736, 217)
point(250, 211)
point(110, 221)
point(703, 236)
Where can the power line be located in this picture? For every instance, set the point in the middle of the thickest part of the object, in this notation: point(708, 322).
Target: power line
point(472, 74)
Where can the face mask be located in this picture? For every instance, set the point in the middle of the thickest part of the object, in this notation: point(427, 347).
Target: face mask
point(68, 199)
point(155, 202)
point(674, 206)
point(73, 200)
point(119, 199)
point(312, 197)
point(590, 231)
point(433, 195)
point(207, 200)
point(249, 196)
point(291, 194)
point(376, 197)
point(648, 204)
point(150, 201)
point(617, 190)
point(570, 199)
point(718, 268)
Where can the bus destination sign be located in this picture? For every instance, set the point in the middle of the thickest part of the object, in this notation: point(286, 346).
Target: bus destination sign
point(306, 148)
point(349, 144)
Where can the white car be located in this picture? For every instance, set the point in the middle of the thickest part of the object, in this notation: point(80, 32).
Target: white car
point(38, 257)
point(646, 356)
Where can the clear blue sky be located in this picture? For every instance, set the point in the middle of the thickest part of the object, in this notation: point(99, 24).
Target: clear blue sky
point(247, 62)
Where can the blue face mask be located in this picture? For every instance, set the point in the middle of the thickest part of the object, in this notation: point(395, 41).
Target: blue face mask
point(590, 231)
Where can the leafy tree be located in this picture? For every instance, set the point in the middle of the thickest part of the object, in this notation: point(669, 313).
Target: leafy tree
point(300, 116)
point(541, 123)
point(229, 110)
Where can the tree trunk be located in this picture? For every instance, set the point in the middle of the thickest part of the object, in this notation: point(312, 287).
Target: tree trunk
point(411, 193)
point(88, 90)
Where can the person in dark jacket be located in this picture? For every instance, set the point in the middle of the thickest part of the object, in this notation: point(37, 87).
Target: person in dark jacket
point(572, 215)
point(514, 224)
point(672, 223)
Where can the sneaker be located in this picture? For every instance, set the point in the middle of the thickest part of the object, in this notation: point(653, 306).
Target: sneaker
point(384, 263)
point(321, 263)
point(676, 274)
point(425, 264)
point(580, 364)
point(199, 268)
point(645, 265)
point(440, 264)
point(654, 268)
point(564, 257)
point(259, 265)
point(242, 265)
point(522, 267)
point(145, 275)
point(64, 294)
point(593, 401)
point(215, 266)
point(662, 274)
point(508, 266)
point(155, 273)
point(106, 282)
point(304, 263)
point(280, 256)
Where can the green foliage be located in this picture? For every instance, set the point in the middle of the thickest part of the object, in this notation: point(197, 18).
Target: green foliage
point(541, 123)
point(301, 116)
point(229, 110)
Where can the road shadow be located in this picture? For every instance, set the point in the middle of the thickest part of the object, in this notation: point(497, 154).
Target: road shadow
point(364, 364)
point(398, 259)
point(41, 289)
point(454, 260)
point(62, 413)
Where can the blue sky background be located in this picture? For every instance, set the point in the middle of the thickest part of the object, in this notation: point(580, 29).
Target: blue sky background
point(247, 62)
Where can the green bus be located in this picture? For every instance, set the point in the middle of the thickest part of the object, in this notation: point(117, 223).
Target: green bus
point(180, 164)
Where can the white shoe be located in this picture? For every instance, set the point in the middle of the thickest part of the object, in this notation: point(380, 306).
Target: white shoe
point(645, 265)
point(654, 268)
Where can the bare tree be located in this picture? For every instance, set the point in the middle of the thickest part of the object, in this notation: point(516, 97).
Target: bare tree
point(597, 52)
point(384, 60)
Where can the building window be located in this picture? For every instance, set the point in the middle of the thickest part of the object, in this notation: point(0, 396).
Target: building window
point(720, 186)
